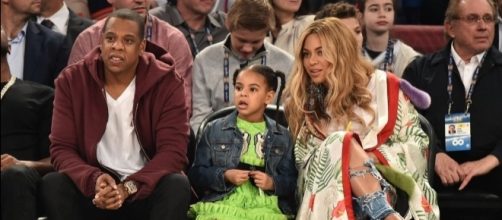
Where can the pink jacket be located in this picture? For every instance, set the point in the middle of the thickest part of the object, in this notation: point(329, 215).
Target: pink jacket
point(80, 117)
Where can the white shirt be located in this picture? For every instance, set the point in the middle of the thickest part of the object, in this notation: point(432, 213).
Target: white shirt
point(60, 19)
point(119, 148)
point(17, 50)
point(466, 69)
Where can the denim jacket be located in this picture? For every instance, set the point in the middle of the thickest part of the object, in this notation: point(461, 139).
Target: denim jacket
point(219, 150)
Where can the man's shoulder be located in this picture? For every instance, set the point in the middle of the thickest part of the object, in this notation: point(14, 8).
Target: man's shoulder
point(33, 87)
point(37, 29)
point(211, 52)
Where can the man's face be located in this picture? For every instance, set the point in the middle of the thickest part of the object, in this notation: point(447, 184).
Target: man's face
point(25, 6)
point(121, 46)
point(201, 7)
point(471, 33)
point(246, 42)
point(140, 6)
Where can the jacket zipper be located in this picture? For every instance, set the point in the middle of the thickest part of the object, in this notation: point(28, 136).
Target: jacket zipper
point(137, 133)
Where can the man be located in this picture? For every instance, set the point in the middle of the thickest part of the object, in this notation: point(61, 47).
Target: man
point(56, 16)
point(37, 54)
point(26, 122)
point(195, 20)
point(156, 31)
point(464, 78)
point(248, 21)
point(119, 132)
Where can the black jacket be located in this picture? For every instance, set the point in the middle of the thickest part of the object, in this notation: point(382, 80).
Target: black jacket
point(430, 74)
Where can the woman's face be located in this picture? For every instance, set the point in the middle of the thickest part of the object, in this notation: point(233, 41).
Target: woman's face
point(378, 15)
point(289, 6)
point(314, 61)
point(353, 25)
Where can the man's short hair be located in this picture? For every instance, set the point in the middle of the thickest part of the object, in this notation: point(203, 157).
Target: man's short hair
point(128, 14)
point(452, 12)
point(251, 15)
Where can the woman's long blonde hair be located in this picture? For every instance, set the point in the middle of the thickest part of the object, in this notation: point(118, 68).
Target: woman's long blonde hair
point(349, 74)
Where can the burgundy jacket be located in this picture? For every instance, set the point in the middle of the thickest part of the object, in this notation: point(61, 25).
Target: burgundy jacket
point(80, 117)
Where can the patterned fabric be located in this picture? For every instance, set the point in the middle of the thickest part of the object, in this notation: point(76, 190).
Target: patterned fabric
point(323, 182)
point(247, 201)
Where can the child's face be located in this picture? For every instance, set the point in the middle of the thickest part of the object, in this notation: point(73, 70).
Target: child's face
point(378, 15)
point(251, 95)
point(246, 42)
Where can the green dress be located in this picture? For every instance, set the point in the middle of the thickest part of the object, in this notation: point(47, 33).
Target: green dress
point(246, 202)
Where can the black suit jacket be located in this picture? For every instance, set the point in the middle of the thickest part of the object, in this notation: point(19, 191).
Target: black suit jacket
point(496, 42)
point(76, 24)
point(430, 73)
point(46, 54)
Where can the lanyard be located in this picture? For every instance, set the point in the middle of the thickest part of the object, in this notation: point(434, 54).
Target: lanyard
point(209, 38)
point(7, 86)
point(149, 27)
point(389, 56)
point(449, 88)
point(226, 73)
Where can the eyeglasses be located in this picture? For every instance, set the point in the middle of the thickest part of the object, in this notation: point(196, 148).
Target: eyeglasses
point(474, 19)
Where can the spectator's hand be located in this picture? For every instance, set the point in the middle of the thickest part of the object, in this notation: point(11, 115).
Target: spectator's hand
point(477, 168)
point(262, 180)
point(116, 201)
point(236, 177)
point(448, 169)
point(106, 192)
point(8, 161)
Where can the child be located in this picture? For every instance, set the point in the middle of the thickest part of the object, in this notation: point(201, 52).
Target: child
point(244, 163)
point(248, 21)
point(386, 54)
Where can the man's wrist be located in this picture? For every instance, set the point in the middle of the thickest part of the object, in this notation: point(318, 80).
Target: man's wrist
point(130, 187)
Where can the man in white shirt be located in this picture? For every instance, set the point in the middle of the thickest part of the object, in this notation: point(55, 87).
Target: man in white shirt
point(37, 54)
point(464, 78)
point(55, 15)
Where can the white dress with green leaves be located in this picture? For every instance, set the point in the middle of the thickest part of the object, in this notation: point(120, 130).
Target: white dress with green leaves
point(323, 182)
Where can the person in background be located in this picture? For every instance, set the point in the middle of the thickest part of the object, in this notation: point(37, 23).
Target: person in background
point(288, 24)
point(248, 21)
point(55, 15)
point(157, 31)
point(119, 132)
point(497, 41)
point(258, 182)
point(37, 54)
point(195, 20)
point(347, 13)
point(386, 54)
point(462, 80)
point(349, 119)
point(26, 122)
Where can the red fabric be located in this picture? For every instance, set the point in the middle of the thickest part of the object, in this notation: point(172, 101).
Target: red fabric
point(347, 189)
point(423, 38)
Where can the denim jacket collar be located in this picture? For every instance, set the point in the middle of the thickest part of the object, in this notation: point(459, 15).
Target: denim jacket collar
point(230, 122)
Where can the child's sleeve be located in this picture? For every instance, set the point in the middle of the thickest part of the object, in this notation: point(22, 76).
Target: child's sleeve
point(285, 178)
point(203, 175)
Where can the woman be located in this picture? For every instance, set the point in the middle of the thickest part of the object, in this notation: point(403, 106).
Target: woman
point(289, 24)
point(347, 117)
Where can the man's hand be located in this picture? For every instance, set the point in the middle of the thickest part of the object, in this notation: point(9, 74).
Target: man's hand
point(262, 180)
point(107, 194)
point(8, 161)
point(448, 169)
point(477, 168)
point(236, 177)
